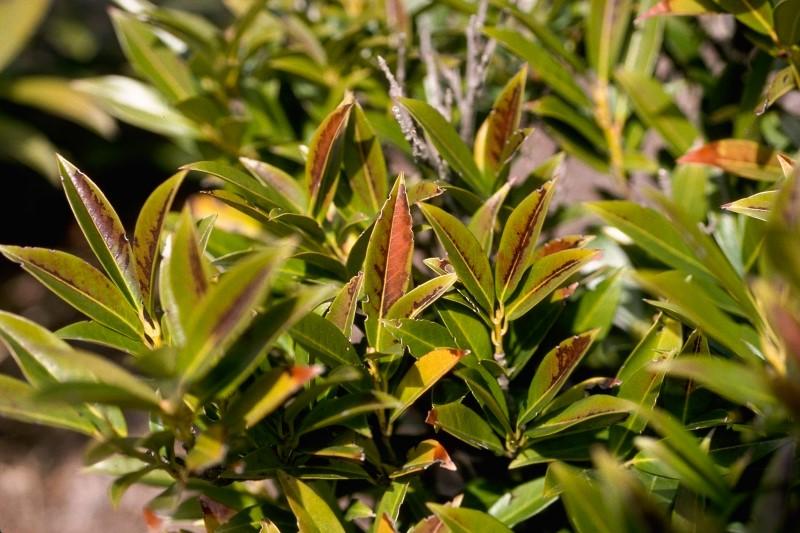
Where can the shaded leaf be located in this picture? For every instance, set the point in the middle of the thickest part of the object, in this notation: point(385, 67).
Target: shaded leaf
point(95, 333)
point(782, 82)
point(484, 221)
point(420, 336)
point(286, 192)
point(522, 502)
point(18, 401)
point(26, 16)
point(597, 308)
point(335, 411)
point(594, 411)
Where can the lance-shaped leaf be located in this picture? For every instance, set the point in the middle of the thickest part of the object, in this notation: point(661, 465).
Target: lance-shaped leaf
point(389, 505)
point(147, 236)
point(447, 142)
point(484, 221)
point(387, 264)
point(680, 8)
point(638, 383)
point(267, 393)
point(502, 122)
point(463, 520)
point(26, 15)
point(420, 336)
point(151, 58)
point(744, 158)
point(427, 453)
point(465, 254)
point(656, 109)
point(226, 310)
point(553, 372)
point(364, 163)
point(595, 411)
point(598, 307)
point(324, 341)
point(286, 191)
point(18, 401)
point(487, 392)
point(542, 62)
point(325, 158)
point(522, 502)
point(314, 514)
point(334, 411)
point(96, 333)
point(546, 275)
point(782, 82)
point(422, 375)
point(519, 239)
point(757, 206)
point(80, 285)
point(606, 29)
point(465, 424)
point(245, 185)
point(103, 230)
point(31, 345)
point(466, 328)
point(184, 276)
point(342, 310)
point(581, 498)
point(415, 301)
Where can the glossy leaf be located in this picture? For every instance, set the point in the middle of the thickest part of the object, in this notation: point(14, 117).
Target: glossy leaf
point(466, 425)
point(325, 157)
point(589, 413)
point(422, 375)
point(95, 333)
point(502, 122)
point(342, 310)
point(606, 29)
point(581, 497)
point(147, 236)
point(427, 453)
point(313, 513)
point(18, 401)
point(757, 206)
point(598, 307)
point(336, 411)
point(79, 284)
point(680, 7)
point(553, 372)
point(387, 265)
point(467, 329)
point(520, 235)
point(462, 520)
point(286, 192)
point(484, 221)
point(243, 183)
point(522, 502)
point(447, 142)
point(415, 301)
point(26, 15)
point(102, 228)
point(389, 504)
point(420, 336)
point(782, 82)
point(743, 158)
point(364, 163)
point(324, 340)
point(464, 253)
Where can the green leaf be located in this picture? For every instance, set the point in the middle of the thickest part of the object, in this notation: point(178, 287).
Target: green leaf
point(543, 64)
point(342, 310)
point(606, 28)
point(466, 425)
point(389, 504)
point(80, 285)
point(592, 412)
point(26, 16)
point(28, 146)
point(522, 502)
point(680, 8)
point(461, 520)
point(133, 102)
point(152, 59)
point(244, 184)
point(313, 513)
point(597, 308)
point(267, 393)
point(582, 499)
point(18, 401)
point(553, 372)
point(102, 228)
point(550, 106)
point(782, 82)
point(484, 221)
point(147, 236)
point(484, 387)
point(325, 158)
point(335, 411)
point(387, 265)
point(415, 301)
point(502, 122)
point(226, 310)
point(447, 142)
point(731, 380)
point(466, 328)
point(743, 158)
point(422, 375)
point(464, 252)
point(31, 346)
point(657, 110)
point(364, 164)
point(420, 336)
point(787, 24)
point(95, 333)
point(325, 341)
point(285, 191)
point(58, 97)
point(546, 275)
point(520, 235)
point(757, 206)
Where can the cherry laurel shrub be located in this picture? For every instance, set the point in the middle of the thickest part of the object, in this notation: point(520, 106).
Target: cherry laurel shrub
point(319, 344)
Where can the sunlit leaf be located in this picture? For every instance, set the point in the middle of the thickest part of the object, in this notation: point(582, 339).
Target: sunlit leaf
point(522, 502)
point(325, 158)
point(502, 122)
point(427, 453)
point(757, 206)
point(415, 301)
point(26, 15)
point(342, 310)
point(422, 375)
point(462, 520)
point(466, 425)
point(740, 157)
point(324, 340)
point(18, 401)
point(595, 411)
point(364, 163)
point(313, 513)
point(286, 191)
point(484, 221)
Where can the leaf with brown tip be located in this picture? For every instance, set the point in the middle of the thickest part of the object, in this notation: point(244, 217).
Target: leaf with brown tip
point(427, 453)
point(503, 121)
point(743, 158)
point(387, 265)
point(519, 238)
point(147, 236)
point(342, 310)
point(553, 371)
point(422, 375)
point(411, 304)
point(325, 157)
point(102, 228)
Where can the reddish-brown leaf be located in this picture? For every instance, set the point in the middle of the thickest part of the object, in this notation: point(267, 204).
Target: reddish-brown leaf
point(503, 121)
point(743, 158)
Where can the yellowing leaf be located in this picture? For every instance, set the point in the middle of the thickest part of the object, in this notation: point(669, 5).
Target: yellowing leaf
point(462, 520)
point(22, 17)
point(757, 206)
point(313, 513)
point(503, 121)
point(427, 453)
point(422, 375)
point(419, 298)
point(342, 310)
point(680, 7)
point(743, 158)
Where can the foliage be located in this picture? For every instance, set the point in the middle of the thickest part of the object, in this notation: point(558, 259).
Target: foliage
point(317, 338)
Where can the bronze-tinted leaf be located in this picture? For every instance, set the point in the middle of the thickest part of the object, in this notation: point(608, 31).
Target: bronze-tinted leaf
point(411, 304)
point(364, 163)
point(325, 157)
point(559, 244)
point(343, 308)
point(553, 372)
point(503, 121)
point(740, 157)
point(424, 455)
point(387, 265)
point(519, 240)
point(103, 230)
point(147, 236)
